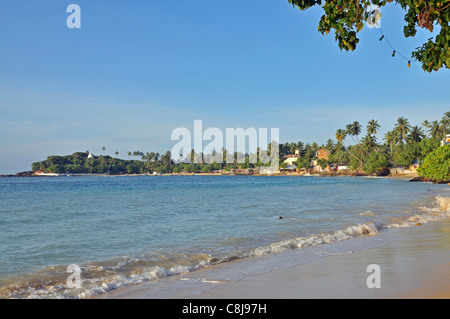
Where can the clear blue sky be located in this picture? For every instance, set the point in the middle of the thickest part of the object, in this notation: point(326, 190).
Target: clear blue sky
point(138, 69)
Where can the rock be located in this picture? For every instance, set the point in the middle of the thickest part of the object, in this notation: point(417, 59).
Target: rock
point(24, 174)
point(418, 179)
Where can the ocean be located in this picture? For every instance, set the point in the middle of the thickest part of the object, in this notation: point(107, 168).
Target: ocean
point(126, 230)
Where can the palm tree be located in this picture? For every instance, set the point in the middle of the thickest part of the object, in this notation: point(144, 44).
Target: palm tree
point(416, 134)
point(300, 147)
point(340, 135)
point(390, 139)
point(427, 125)
point(447, 115)
point(372, 127)
point(434, 129)
point(353, 129)
point(402, 129)
point(292, 148)
point(348, 129)
point(330, 144)
point(369, 142)
point(444, 125)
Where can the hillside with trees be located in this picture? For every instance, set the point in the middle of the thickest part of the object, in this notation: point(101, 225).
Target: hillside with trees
point(401, 146)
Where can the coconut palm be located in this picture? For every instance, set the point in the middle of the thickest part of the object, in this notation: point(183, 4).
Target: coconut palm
point(340, 135)
point(353, 129)
point(372, 127)
point(369, 142)
point(390, 139)
point(416, 134)
point(300, 147)
point(434, 129)
point(348, 129)
point(444, 126)
point(402, 129)
point(330, 144)
point(426, 125)
point(447, 115)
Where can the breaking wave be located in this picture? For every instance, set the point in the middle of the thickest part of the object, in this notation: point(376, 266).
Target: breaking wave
point(101, 277)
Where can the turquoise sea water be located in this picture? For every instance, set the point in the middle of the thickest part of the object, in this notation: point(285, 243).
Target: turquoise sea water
point(125, 230)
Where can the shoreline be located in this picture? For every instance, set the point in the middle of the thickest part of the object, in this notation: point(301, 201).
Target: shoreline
point(320, 174)
point(414, 263)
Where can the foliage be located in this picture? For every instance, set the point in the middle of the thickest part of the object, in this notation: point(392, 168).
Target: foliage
point(403, 145)
point(322, 163)
point(340, 156)
point(436, 165)
point(304, 163)
point(347, 18)
point(375, 162)
point(405, 155)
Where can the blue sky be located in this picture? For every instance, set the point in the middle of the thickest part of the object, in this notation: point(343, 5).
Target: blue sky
point(136, 70)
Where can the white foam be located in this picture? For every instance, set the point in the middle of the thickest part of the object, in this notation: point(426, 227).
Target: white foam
point(367, 229)
point(106, 282)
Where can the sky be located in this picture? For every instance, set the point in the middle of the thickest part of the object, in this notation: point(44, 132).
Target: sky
point(137, 70)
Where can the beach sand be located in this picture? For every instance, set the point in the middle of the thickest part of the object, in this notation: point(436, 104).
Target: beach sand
point(414, 263)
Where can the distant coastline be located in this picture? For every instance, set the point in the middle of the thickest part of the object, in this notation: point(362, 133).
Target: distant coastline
point(406, 175)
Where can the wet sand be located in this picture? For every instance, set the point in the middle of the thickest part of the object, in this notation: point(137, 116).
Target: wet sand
point(414, 263)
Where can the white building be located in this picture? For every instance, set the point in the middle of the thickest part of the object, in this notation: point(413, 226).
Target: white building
point(291, 159)
point(446, 140)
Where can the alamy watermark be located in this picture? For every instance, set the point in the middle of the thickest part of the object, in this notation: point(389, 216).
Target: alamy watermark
point(74, 280)
point(74, 19)
point(374, 279)
point(238, 143)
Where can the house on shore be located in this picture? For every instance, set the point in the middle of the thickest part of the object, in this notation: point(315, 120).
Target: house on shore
point(323, 154)
point(339, 167)
point(414, 166)
point(400, 169)
point(446, 140)
point(291, 159)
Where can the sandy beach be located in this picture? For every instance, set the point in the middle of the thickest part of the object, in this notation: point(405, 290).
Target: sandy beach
point(414, 263)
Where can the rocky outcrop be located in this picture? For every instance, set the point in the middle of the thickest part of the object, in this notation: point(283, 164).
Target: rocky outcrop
point(20, 174)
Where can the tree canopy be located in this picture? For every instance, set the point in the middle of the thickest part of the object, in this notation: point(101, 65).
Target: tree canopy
point(347, 18)
point(436, 165)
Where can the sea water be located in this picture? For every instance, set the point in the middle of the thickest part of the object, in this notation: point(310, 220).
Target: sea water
point(124, 230)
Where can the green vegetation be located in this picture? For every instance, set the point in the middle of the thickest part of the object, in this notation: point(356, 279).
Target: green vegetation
point(347, 18)
point(148, 163)
point(402, 146)
point(436, 165)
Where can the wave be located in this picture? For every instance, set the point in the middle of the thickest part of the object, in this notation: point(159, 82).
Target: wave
point(102, 277)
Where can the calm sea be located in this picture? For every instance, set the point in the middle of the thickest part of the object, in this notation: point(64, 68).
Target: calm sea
point(126, 230)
